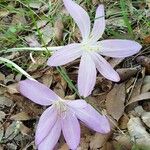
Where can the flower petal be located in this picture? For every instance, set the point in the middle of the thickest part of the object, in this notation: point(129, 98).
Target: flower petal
point(80, 16)
point(93, 119)
point(50, 141)
point(71, 129)
point(65, 55)
point(105, 68)
point(119, 48)
point(45, 125)
point(37, 92)
point(77, 103)
point(99, 24)
point(86, 75)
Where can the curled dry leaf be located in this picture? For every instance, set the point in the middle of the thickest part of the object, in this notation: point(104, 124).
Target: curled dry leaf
point(146, 118)
point(115, 101)
point(127, 73)
point(58, 29)
point(137, 132)
point(143, 96)
point(146, 85)
point(144, 61)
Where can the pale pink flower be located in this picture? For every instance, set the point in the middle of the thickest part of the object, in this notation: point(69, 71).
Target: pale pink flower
point(62, 115)
point(90, 49)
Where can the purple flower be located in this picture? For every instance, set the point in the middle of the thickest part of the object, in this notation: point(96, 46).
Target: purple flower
point(90, 49)
point(62, 115)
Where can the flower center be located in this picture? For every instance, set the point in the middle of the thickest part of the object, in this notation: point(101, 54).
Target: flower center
point(90, 47)
point(61, 107)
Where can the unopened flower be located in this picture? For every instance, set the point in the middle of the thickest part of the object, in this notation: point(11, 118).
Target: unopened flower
point(90, 49)
point(62, 115)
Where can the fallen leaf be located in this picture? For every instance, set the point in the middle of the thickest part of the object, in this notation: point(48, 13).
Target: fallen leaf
point(115, 61)
point(2, 77)
point(143, 96)
point(2, 115)
point(146, 118)
point(127, 73)
point(22, 116)
point(12, 88)
point(98, 140)
point(35, 4)
point(123, 141)
point(4, 101)
point(137, 132)
point(144, 61)
point(32, 41)
point(47, 34)
point(146, 85)
point(146, 40)
point(115, 101)
point(58, 30)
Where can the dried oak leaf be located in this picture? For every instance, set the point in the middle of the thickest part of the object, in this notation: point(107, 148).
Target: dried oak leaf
point(143, 96)
point(115, 101)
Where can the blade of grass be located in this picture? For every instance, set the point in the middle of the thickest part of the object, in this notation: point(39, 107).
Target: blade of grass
point(125, 17)
point(4, 60)
point(68, 80)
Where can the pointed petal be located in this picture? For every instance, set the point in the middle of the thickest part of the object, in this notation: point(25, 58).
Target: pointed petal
point(65, 55)
point(119, 48)
point(105, 68)
point(45, 125)
point(77, 103)
point(86, 75)
point(50, 141)
point(99, 24)
point(93, 119)
point(80, 16)
point(71, 130)
point(37, 92)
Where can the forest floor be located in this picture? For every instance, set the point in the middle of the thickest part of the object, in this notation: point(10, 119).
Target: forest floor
point(45, 23)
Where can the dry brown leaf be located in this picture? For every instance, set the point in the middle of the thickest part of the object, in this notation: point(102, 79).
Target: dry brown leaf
point(22, 116)
point(144, 61)
point(64, 147)
point(59, 90)
point(12, 88)
point(127, 73)
point(146, 85)
point(98, 140)
point(115, 61)
point(123, 141)
point(115, 101)
point(146, 118)
point(58, 29)
point(2, 115)
point(137, 132)
point(32, 41)
point(2, 77)
point(143, 96)
point(19, 19)
point(24, 130)
point(47, 34)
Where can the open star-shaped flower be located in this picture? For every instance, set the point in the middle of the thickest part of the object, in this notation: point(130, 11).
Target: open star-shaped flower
point(90, 49)
point(62, 115)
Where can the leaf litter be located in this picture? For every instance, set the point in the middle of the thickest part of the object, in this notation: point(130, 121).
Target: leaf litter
point(19, 116)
